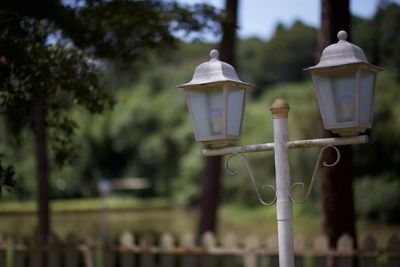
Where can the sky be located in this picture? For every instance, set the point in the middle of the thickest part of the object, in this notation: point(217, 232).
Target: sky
point(258, 18)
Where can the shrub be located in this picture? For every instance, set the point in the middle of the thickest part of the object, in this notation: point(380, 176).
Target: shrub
point(377, 198)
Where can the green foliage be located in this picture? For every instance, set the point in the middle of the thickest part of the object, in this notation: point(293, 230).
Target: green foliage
point(377, 164)
point(380, 37)
point(52, 52)
point(284, 55)
point(129, 28)
point(144, 136)
point(250, 61)
point(6, 177)
point(377, 198)
point(33, 69)
point(384, 148)
point(118, 30)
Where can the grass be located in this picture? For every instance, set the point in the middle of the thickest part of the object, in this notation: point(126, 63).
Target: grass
point(87, 204)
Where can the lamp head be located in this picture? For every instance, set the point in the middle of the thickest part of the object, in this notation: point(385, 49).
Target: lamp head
point(216, 100)
point(344, 82)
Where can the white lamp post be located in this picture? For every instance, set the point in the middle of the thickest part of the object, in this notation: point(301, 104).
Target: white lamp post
point(344, 83)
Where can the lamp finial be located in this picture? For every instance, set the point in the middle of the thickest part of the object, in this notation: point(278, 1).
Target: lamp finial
point(280, 108)
point(214, 54)
point(342, 35)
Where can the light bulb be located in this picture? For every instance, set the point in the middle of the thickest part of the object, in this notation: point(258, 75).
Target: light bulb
point(216, 121)
point(346, 106)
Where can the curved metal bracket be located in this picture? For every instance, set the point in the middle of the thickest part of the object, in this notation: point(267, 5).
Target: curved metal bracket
point(318, 163)
point(252, 178)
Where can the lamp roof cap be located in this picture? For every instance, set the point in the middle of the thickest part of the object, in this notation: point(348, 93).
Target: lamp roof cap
point(341, 53)
point(214, 71)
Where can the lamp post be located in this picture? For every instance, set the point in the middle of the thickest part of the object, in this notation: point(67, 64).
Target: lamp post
point(344, 82)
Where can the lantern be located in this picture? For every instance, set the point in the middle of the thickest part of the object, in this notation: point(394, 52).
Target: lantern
point(216, 100)
point(345, 83)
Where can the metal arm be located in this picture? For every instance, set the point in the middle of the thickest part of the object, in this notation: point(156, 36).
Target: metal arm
point(317, 165)
point(252, 178)
point(335, 141)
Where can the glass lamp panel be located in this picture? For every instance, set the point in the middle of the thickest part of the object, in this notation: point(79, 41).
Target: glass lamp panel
point(235, 112)
point(367, 85)
point(337, 94)
point(345, 99)
point(207, 109)
point(326, 99)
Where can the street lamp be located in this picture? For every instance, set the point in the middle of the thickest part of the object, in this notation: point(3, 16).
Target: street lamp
point(216, 100)
point(344, 83)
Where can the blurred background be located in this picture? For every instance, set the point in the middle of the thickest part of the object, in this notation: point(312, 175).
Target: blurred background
point(95, 137)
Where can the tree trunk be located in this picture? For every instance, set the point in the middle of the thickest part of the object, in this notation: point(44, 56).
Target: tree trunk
point(42, 174)
point(211, 179)
point(336, 182)
point(228, 43)
point(211, 186)
point(335, 16)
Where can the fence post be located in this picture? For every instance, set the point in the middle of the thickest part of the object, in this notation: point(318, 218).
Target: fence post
point(321, 251)
point(146, 255)
point(187, 244)
point(19, 253)
point(208, 258)
point(272, 246)
point(345, 251)
point(299, 248)
point(109, 251)
point(37, 249)
point(54, 251)
point(229, 244)
point(369, 252)
point(393, 250)
point(166, 250)
point(3, 251)
point(127, 246)
point(252, 245)
point(88, 251)
point(71, 251)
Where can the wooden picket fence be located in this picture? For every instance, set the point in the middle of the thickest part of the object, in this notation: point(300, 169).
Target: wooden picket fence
point(168, 252)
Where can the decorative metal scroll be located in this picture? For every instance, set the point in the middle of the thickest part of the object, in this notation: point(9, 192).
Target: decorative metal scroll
point(317, 164)
point(252, 178)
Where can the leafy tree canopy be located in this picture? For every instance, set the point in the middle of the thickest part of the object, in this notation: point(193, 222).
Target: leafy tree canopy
point(117, 29)
point(54, 49)
point(282, 58)
point(380, 37)
point(6, 177)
